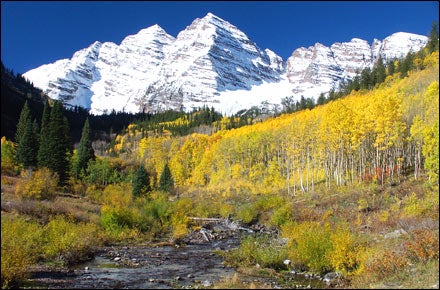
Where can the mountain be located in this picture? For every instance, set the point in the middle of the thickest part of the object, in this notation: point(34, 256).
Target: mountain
point(319, 69)
point(211, 62)
point(209, 57)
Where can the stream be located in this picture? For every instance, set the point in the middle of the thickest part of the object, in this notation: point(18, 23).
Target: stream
point(192, 265)
point(136, 267)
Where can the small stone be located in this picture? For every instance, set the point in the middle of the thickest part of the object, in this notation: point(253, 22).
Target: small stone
point(117, 259)
point(86, 268)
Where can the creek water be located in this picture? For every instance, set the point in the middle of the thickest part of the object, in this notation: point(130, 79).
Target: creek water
point(191, 266)
point(141, 267)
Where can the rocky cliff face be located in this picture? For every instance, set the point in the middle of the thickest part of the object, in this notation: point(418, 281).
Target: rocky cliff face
point(105, 76)
point(319, 68)
point(211, 62)
point(208, 57)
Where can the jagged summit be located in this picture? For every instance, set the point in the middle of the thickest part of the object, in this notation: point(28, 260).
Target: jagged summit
point(211, 62)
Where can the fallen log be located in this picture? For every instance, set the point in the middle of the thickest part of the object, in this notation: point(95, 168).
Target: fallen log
point(206, 219)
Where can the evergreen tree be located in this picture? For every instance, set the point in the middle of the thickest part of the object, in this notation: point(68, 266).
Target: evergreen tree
point(44, 150)
point(391, 67)
point(28, 145)
point(25, 117)
point(379, 71)
point(321, 99)
point(406, 64)
point(433, 38)
point(85, 150)
point(26, 138)
point(166, 181)
point(59, 146)
point(302, 103)
point(366, 80)
point(141, 182)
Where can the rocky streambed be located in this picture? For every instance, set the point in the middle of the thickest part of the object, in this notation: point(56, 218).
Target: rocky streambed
point(189, 263)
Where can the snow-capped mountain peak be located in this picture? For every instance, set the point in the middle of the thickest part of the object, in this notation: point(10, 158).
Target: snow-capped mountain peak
point(211, 62)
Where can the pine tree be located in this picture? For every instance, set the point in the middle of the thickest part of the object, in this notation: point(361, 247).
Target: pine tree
point(166, 181)
point(433, 38)
point(59, 146)
point(44, 150)
point(379, 71)
point(366, 79)
point(321, 99)
point(141, 183)
point(85, 150)
point(406, 64)
point(391, 67)
point(26, 139)
point(28, 145)
point(25, 117)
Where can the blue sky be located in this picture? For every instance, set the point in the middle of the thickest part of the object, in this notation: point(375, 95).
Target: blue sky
point(34, 33)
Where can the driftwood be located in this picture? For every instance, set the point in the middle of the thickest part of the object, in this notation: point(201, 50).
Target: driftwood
point(206, 219)
point(225, 223)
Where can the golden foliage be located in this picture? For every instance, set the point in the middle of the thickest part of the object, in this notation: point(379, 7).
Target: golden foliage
point(20, 241)
point(41, 184)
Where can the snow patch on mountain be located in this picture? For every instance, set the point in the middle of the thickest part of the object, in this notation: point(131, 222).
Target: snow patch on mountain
point(211, 62)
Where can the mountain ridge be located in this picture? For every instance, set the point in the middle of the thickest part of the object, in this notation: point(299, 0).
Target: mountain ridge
point(211, 62)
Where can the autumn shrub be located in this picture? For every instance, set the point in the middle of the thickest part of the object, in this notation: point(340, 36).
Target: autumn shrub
point(8, 163)
point(179, 222)
point(77, 187)
point(267, 202)
point(21, 241)
point(68, 242)
point(309, 245)
point(225, 209)
point(247, 213)
point(94, 193)
point(322, 247)
point(41, 184)
point(423, 245)
point(385, 263)
point(159, 208)
point(347, 254)
point(262, 250)
point(413, 206)
point(430, 203)
point(114, 218)
point(118, 195)
point(181, 210)
point(282, 215)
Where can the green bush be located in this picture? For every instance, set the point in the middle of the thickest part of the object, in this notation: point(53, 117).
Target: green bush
point(159, 207)
point(117, 218)
point(68, 242)
point(258, 250)
point(322, 248)
point(247, 213)
point(282, 215)
point(309, 245)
